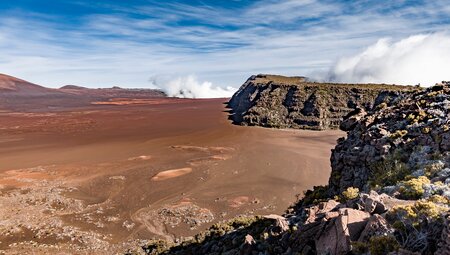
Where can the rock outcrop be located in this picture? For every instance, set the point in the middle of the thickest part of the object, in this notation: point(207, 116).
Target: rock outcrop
point(294, 102)
point(410, 138)
point(444, 245)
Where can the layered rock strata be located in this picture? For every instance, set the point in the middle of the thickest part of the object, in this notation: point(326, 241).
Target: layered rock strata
point(295, 102)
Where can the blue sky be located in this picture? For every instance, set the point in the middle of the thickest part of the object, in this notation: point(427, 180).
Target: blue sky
point(134, 43)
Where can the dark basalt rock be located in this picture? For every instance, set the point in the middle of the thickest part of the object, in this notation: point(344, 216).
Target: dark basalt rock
point(294, 102)
point(409, 136)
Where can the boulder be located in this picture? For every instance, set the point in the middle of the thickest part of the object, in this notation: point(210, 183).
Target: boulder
point(351, 119)
point(376, 226)
point(337, 235)
point(280, 222)
point(372, 203)
point(319, 211)
point(248, 245)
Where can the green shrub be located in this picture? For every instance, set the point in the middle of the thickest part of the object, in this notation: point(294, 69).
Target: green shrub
point(417, 211)
point(381, 106)
point(389, 171)
point(359, 248)
point(316, 195)
point(432, 169)
point(156, 247)
point(350, 193)
point(398, 134)
point(380, 245)
point(426, 130)
point(428, 209)
point(413, 188)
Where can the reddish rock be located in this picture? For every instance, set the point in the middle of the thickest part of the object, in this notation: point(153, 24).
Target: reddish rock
point(247, 247)
point(337, 235)
point(280, 221)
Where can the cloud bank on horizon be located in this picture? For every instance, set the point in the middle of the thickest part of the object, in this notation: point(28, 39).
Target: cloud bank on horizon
point(108, 43)
point(190, 87)
point(419, 59)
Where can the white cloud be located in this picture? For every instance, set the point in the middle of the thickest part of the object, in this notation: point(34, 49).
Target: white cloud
point(190, 87)
point(127, 45)
point(423, 58)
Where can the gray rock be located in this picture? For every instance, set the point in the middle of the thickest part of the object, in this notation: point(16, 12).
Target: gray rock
point(376, 226)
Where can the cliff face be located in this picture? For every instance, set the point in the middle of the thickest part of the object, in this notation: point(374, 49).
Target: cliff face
point(293, 102)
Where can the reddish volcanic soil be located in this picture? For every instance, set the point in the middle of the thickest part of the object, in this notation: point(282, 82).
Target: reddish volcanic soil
point(104, 177)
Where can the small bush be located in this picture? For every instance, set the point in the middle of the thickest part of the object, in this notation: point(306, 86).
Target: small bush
point(428, 209)
point(359, 248)
point(398, 134)
point(350, 193)
point(380, 245)
point(414, 118)
point(315, 196)
point(413, 189)
point(389, 171)
point(426, 130)
point(433, 168)
point(416, 212)
point(156, 247)
point(381, 106)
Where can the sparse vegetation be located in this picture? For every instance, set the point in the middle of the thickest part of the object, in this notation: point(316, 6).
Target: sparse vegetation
point(350, 193)
point(426, 130)
point(398, 134)
point(381, 106)
point(316, 195)
point(413, 188)
point(360, 248)
point(433, 168)
point(439, 199)
point(380, 245)
point(418, 211)
point(389, 171)
point(418, 226)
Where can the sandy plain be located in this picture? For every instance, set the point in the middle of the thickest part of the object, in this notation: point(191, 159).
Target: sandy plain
point(105, 177)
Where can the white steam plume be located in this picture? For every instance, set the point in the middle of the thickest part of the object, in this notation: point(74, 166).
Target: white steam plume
point(423, 59)
point(190, 87)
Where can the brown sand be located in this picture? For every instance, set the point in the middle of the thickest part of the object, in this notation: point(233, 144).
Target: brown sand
point(83, 180)
point(168, 174)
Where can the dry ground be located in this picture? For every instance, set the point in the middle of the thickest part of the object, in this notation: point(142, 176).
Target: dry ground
point(102, 178)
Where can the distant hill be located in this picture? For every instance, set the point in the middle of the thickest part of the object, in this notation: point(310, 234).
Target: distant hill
point(21, 95)
point(75, 87)
point(15, 86)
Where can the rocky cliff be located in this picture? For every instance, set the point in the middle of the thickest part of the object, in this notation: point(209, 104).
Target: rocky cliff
point(410, 138)
point(294, 102)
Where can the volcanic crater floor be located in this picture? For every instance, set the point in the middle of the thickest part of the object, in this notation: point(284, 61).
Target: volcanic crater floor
point(105, 178)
